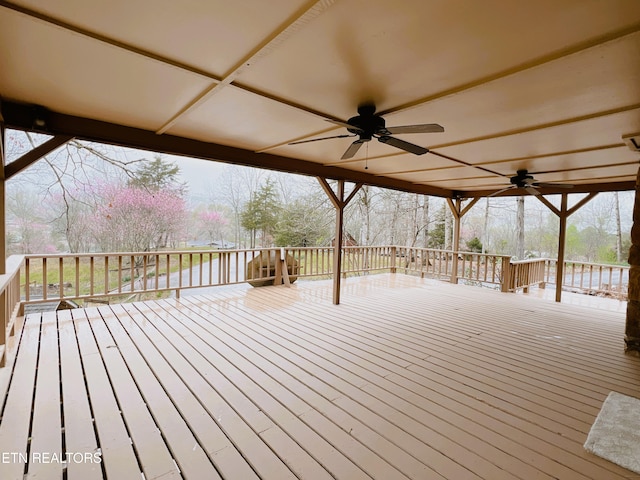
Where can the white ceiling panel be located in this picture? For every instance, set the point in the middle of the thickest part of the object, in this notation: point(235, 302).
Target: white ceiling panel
point(71, 74)
point(550, 85)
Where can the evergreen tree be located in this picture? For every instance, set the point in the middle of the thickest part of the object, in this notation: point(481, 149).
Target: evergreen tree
point(474, 245)
point(437, 235)
point(158, 174)
point(260, 214)
point(303, 225)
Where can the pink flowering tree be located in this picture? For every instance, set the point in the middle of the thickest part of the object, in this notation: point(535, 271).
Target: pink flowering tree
point(211, 224)
point(135, 219)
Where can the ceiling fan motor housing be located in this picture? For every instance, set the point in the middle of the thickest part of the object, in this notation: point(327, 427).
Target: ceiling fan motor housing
point(522, 179)
point(366, 125)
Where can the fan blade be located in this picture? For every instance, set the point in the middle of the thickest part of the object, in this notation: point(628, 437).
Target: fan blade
point(503, 190)
point(353, 149)
point(318, 139)
point(402, 145)
point(344, 124)
point(425, 128)
point(532, 191)
point(553, 185)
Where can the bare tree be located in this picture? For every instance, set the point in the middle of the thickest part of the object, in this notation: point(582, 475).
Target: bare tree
point(365, 207)
point(618, 227)
point(520, 228)
point(65, 175)
point(448, 229)
point(425, 221)
point(238, 185)
point(485, 227)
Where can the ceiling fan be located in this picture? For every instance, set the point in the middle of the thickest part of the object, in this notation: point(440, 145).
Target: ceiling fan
point(522, 179)
point(367, 125)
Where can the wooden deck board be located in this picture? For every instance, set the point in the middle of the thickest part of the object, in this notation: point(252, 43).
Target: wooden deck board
point(152, 452)
point(118, 455)
point(78, 424)
point(283, 411)
point(192, 462)
point(449, 448)
point(406, 378)
point(439, 460)
point(307, 316)
point(240, 420)
point(286, 388)
point(46, 443)
point(16, 417)
point(210, 438)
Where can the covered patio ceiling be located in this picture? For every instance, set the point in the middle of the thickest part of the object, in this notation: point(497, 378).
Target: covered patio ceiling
point(550, 86)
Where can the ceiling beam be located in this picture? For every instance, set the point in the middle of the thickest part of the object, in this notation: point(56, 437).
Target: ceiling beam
point(536, 62)
point(621, 186)
point(166, 60)
point(22, 117)
point(542, 126)
point(280, 35)
point(597, 148)
point(107, 40)
point(308, 12)
point(557, 55)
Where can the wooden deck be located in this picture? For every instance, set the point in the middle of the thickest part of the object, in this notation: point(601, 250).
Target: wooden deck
point(407, 378)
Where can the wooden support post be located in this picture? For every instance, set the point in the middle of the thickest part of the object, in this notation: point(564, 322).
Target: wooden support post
point(394, 259)
point(282, 270)
point(337, 245)
point(507, 275)
point(456, 240)
point(563, 213)
point(632, 327)
point(339, 202)
point(458, 212)
point(561, 244)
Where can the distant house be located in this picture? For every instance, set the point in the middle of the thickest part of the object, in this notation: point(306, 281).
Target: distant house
point(347, 240)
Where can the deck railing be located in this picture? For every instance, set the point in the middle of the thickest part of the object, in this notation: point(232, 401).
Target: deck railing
point(469, 267)
point(527, 273)
point(10, 302)
point(99, 276)
point(591, 278)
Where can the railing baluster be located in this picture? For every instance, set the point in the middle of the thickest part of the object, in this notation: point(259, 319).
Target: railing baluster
point(167, 263)
point(91, 275)
point(132, 261)
point(610, 279)
point(27, 279)
point(45, 281)
point(600, 278)
point(77, 276)
point(106, 274)
point(61, 278)
point(120, 274)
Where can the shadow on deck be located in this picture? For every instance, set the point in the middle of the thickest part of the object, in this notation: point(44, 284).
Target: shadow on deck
point(407, 378)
